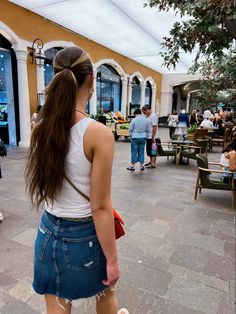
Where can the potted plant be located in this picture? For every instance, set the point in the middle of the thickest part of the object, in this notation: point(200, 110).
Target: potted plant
point(191, 132)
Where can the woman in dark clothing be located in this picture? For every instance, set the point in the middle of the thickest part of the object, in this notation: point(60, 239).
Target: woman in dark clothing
point(183, 123)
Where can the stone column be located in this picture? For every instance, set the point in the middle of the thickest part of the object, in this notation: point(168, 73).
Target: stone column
point(153, 101)
point(142, 98)
point(124, 96)
point(24, 104)
point(40, 79)
point(93, 100)
point(188, 101)
point(166, 103)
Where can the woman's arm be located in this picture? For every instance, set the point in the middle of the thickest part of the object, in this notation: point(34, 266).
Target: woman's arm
point(232, 160)
point(100, 149)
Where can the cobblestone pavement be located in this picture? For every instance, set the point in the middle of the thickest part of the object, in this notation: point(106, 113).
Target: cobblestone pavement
point(178, 256)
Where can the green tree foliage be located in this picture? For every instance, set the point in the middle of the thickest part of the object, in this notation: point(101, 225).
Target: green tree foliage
point(210, 27)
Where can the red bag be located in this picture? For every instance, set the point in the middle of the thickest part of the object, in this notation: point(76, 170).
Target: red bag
point(118, 221)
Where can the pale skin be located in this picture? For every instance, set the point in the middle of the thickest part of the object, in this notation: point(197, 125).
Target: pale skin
point(232, 159)
point(99, 150)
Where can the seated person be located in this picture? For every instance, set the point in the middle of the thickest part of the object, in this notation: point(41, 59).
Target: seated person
point(228, 161)
point(206, 123)
point(229, 122)
point(219, 127)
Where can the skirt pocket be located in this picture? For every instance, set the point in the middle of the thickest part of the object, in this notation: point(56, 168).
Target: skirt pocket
point(41, 241)
point(81, 254)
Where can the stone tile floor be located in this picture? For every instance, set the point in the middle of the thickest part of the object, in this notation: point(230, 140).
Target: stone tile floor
point(178, 256)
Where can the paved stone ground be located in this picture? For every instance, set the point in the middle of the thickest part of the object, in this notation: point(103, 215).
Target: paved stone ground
point(178, 256)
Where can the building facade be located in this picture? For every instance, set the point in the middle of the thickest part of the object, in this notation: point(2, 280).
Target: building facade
point(121, 84)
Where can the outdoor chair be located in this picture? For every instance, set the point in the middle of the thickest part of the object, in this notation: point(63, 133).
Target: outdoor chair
point(169, 151)
point(224, 140)
point(200, 134)
point(204, 144)
point(210, 178)
point(190, 152)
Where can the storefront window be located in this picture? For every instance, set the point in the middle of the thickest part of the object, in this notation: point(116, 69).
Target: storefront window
point(48, 67)
point(148, 94)
point(7, 108)
point(48, 74)
point(108, 89)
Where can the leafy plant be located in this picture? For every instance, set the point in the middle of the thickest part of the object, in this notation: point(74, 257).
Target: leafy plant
point(210, 29)
point(192, 129)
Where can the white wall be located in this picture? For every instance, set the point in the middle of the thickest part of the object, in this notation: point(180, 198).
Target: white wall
point(168, 82)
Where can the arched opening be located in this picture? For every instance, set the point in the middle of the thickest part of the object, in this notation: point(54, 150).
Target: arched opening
point(148, 94)
point(48, 72)
point(9, 103)
point(135, 95)
point(108, 83)
point(48, 64)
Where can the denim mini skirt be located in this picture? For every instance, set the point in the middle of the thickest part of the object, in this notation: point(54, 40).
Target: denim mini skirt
point(68, 259)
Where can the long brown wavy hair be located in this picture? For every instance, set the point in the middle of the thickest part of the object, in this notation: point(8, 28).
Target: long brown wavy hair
point(49, 145)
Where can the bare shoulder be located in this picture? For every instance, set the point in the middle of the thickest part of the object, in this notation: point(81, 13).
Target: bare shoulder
point(98, 131)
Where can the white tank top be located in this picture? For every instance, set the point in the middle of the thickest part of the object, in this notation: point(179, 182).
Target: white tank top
point(70, 203)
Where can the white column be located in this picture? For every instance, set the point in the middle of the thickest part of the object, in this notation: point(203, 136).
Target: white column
point(40, 79)
point(153, 101)
point(24, 104)
point(142, 98)
point(188, 101)
point(124, 96)
point(93, 100)
point(129, 96)
point(166, 103)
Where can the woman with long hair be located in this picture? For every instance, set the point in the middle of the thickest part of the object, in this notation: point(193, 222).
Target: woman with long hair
point(75, 249)
point(228, 161)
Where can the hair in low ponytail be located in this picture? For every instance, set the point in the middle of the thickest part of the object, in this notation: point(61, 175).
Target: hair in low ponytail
point(49, 145)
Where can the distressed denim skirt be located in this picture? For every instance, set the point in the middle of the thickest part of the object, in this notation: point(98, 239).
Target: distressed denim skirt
point(68, 259)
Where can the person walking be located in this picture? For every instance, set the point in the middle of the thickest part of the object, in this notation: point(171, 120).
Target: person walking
point(193, 119)
point(151, 135)
point(172, 123)
point(138, 130)
point(75, 252)
point(183, 124)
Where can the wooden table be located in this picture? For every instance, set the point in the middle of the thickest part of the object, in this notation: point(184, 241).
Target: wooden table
point(178, 144)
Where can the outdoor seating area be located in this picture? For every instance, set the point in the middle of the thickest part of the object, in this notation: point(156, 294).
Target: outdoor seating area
point(179, 243)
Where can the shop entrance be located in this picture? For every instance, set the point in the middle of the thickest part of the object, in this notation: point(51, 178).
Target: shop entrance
point(9, 129)
point(108, 89)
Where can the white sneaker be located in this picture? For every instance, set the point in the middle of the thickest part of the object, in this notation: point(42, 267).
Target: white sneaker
point(1, 217)
point(123, 311)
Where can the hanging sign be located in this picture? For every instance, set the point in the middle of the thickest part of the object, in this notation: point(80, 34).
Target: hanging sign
point(109, 77)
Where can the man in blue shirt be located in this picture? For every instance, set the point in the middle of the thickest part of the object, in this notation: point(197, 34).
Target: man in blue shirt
point(138, 130)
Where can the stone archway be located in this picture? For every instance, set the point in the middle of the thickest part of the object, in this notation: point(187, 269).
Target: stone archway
point(123, 76)
point(112, 63)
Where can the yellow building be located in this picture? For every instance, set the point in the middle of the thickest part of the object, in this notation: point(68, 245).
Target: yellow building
point(121, 84)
